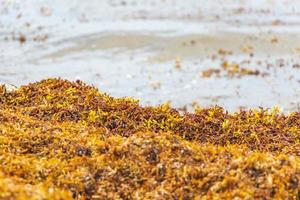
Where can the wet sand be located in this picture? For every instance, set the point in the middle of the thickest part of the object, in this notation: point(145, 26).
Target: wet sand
point(157, 51)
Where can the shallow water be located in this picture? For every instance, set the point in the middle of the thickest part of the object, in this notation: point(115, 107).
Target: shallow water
point(156, 51)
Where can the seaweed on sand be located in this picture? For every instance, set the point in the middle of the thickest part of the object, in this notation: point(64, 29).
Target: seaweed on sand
point(63, 140)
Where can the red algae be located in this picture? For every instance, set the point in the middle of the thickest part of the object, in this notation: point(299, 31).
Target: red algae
point(64, 140)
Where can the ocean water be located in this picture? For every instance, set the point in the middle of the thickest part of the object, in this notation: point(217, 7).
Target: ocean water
point(157, 50)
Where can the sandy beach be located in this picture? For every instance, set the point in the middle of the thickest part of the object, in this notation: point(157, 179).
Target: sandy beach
point(159, 51)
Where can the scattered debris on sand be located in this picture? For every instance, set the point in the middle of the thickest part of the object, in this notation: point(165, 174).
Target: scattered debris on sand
point(231, 70)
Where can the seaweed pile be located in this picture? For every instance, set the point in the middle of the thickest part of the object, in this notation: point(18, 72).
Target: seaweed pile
point(64, 140)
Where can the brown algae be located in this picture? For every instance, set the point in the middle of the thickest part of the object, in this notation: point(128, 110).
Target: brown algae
point(64, 140)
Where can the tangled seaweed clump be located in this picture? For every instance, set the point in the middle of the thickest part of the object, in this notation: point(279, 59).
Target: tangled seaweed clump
point(64, 140)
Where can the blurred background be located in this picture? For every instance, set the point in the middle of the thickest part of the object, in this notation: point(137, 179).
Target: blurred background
point(234, 53)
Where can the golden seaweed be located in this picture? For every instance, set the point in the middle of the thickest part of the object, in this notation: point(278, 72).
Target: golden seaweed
point(66, 140)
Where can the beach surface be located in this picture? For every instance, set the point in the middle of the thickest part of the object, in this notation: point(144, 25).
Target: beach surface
point(238, 54)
